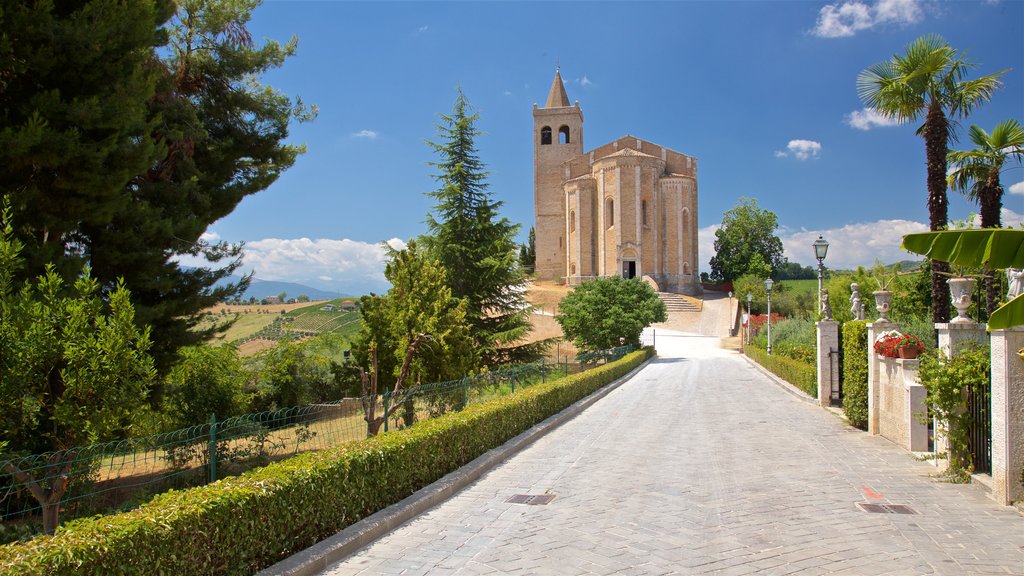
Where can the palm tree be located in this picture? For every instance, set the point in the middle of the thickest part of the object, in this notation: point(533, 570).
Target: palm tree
point(976, 174)
point(929, 81)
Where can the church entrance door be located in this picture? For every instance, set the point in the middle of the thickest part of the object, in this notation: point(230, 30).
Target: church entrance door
point(629, 269)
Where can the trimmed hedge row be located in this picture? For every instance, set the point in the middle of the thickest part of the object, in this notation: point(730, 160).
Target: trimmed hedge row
point(855, 372)
point(241, 524)
point(803, 376)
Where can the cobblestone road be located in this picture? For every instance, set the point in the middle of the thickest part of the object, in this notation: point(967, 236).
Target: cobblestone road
point(700, 465)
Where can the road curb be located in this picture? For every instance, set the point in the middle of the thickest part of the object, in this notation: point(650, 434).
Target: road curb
point(793, 390)
point(320, 556)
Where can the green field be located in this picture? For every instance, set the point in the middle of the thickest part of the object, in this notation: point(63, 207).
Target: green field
point(315, 320)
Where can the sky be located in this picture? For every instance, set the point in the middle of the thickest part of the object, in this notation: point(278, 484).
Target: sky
point(763, 94)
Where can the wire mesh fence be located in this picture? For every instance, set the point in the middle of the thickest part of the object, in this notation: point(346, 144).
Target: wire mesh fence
point(114, 476)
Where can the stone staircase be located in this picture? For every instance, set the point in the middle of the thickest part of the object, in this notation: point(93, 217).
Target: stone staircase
point(680, 303)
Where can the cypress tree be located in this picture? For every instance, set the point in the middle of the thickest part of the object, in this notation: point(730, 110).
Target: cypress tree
point(476, 245)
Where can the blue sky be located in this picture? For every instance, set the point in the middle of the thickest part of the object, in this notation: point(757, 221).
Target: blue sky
point(762, 93)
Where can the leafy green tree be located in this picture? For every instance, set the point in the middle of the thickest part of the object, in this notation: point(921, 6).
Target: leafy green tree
point(746, 243)
point(929, 80)
point(476, 246)
point(206, 381)
point(416, 333)
point(74, 370)
point(293, 374)
point(976, 174)
point(599, 312)
point(302, 298)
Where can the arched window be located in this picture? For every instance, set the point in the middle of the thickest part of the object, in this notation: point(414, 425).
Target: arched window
point(572, 221)
point(573, 270)
point(643, 211)
point(609, 213)
point(563, 135)
point(545, 135)
point(686, 221)
point(686, 267)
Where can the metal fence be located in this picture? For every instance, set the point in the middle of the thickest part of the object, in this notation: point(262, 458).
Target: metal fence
point(116, 476)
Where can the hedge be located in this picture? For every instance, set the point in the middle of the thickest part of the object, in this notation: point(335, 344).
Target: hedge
point(855, 372)
point(243, 523)
point(803, 376)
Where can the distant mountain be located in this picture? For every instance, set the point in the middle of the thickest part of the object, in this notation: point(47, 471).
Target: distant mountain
point(260, 289)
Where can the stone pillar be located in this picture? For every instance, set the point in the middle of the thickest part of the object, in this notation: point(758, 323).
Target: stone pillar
point(828, 360)
point(916, 407)
point(1007, 415)
point(954, 336)
point(874, 369)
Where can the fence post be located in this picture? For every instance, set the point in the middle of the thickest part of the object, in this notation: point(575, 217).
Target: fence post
point(543, 372)
point(387, 401)
point(213, 448)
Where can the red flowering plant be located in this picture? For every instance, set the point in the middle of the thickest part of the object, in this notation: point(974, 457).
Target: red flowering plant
point(887, 344)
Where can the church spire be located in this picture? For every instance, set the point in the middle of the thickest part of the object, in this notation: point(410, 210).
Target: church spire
point(557, 98)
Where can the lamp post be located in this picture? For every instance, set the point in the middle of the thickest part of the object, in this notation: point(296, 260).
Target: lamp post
point(732, 316)
point(750, 318)
point(768, 286)
point(820, 249)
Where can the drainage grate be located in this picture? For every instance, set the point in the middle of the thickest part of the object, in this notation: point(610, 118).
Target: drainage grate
point(885, 508)
point(531, 499)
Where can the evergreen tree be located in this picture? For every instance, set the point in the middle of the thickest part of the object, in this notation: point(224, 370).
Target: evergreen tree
point(476, 246)
point(224, 135)
point(528, 251)
point(121, 156)
point(75, 81)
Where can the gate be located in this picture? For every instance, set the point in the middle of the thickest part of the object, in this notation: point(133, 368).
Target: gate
point(979, 439)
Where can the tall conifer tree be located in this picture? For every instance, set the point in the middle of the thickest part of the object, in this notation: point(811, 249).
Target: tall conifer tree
point(476, 245)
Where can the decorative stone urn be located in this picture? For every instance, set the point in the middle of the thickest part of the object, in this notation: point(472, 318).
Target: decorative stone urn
point(882, 299)
point(960, 290)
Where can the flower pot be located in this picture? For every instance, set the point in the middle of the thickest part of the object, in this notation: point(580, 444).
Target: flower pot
point(960, 290)
point(909, 352)
point(882, 299)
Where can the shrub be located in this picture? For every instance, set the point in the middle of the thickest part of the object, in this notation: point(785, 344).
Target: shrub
point(242, 523)
point(800, 374)
point(949, 381)
point(855, 372)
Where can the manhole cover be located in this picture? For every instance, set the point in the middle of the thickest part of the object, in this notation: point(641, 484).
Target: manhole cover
point(531, 499)
point(885, 508)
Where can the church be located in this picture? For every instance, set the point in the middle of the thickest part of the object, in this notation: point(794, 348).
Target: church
point(628, 207)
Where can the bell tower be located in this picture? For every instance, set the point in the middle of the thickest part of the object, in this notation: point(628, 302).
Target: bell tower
point(557, 137)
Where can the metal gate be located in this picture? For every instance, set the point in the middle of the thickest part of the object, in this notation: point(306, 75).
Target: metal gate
point(979, 439)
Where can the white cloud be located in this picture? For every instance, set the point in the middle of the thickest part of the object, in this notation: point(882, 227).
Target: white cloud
point(423, 28)
point(1011, 218)
point(706, 246)
point(847, 18)
point(209, 237)
point(368, 134)
point(584, 81)
point(1017, 188)
point(507, 92)
point(854, 244)
point(868, 118)
point(801, 149)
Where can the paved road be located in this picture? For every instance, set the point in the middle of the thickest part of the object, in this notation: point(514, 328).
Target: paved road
point(699, 464)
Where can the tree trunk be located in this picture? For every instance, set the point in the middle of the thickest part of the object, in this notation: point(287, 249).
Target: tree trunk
point(936, 139)
point(56, 475)
point(991, 202)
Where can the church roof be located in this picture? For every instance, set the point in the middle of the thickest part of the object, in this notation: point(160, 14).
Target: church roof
point(629, 152)
point(557, 98)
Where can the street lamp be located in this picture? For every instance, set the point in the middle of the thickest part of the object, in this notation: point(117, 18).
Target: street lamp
point(768, 286)
point(820, 249)
point(750, 297)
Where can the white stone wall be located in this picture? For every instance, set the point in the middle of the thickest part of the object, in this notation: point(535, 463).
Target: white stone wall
point(901, 404)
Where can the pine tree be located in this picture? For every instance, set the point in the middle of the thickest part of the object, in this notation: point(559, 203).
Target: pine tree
point(75, 81)
point(199, 134)
point(476, 246)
